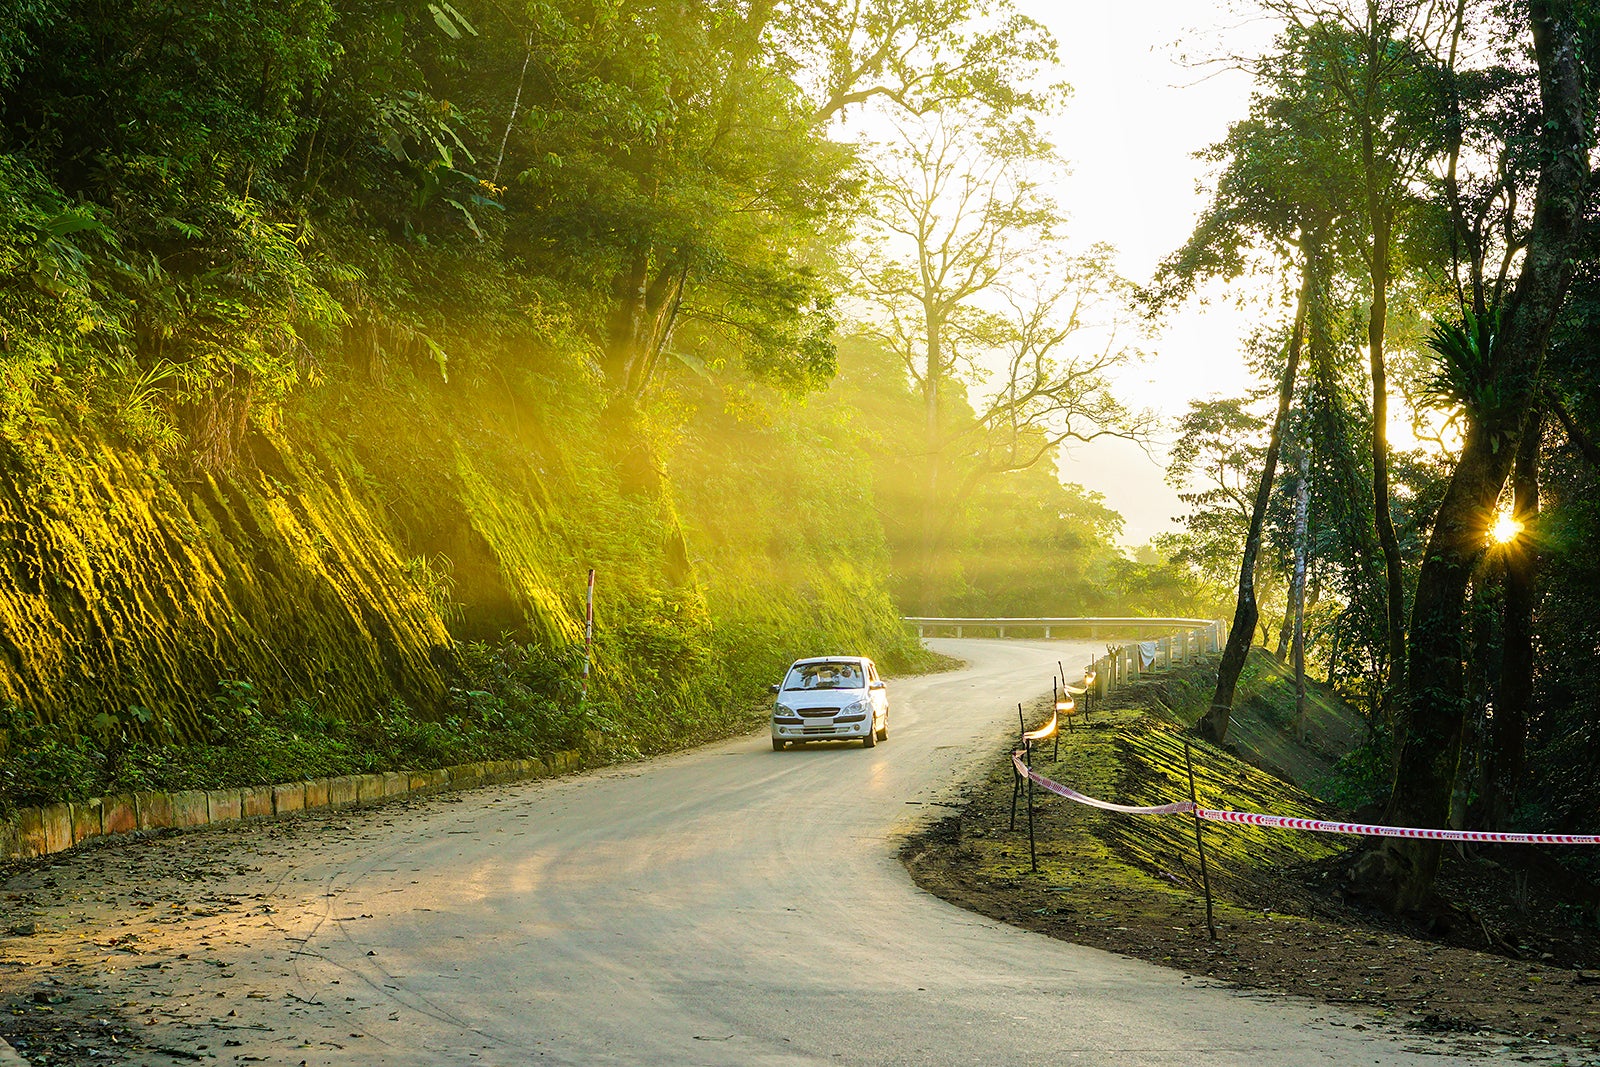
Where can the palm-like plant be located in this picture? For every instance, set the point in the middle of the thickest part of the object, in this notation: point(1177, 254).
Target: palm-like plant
point(1463, 364)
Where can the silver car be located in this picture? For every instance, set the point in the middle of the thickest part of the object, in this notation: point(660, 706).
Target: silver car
point(830, 698)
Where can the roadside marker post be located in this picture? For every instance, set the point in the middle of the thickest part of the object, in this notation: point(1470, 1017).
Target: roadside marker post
point(1199, 842)
point(1022, 768)
point(1016, 778)
point(1033, 848)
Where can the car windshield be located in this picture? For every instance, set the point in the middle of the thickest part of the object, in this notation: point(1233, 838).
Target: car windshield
point(825, 676)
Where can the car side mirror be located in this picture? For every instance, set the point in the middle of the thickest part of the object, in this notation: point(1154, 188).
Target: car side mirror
point(879, 685)
point(773, 689)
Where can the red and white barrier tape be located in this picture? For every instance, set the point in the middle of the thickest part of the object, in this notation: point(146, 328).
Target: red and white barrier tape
point(1072, 794)
point(1370, 830)
point(1285, 822)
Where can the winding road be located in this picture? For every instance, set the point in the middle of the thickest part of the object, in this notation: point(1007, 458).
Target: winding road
point(726, 906)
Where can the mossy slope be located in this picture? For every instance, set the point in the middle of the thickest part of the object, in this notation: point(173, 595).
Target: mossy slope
point(378, 524)
point(126, 585)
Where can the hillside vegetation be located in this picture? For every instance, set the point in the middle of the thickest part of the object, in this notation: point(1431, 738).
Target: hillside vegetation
point(340, 339)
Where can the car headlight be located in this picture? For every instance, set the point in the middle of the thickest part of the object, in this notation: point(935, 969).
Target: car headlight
point(855, 706)
point(782, 709)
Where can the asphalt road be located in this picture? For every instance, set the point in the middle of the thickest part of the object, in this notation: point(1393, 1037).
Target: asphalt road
point(727, 906)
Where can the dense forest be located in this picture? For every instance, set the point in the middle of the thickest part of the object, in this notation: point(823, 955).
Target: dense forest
point(339, 339)
point(1416, 179)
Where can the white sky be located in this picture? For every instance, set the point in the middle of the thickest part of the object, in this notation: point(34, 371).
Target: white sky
point(1137, 115)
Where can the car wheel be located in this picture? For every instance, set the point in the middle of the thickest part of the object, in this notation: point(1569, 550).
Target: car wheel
point(883, 734)
point(870, 738)
point(778, 746)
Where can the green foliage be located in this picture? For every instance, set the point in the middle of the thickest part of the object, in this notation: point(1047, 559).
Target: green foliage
point(1015, 543)
point(1463, 365)
point(224, 191)
point(648, 174)
point(435, 577)
point(511, 701)
point(1216, 466)
point(1363, 777)
point(50, 268)
point(252, 239)
point(38, 764)
point(1162, 579)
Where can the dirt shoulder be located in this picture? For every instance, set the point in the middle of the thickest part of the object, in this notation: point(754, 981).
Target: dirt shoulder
point(1507, 959)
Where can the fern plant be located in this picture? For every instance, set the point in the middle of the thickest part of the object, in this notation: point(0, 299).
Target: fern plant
point(1463, 366)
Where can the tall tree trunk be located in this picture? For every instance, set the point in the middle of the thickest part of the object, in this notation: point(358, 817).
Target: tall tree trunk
point(1483, 593)
point(1400, 871)
point(1348, 496)
point(1437, 703)
point(511, 119)
point(1335, 641)
point(1388, 540)
point(1214, 724)
point(1297, 566)
point(1508, 729)
point(1382, 190)
point(1297, 586)
point(645, 309)
point(629, 290)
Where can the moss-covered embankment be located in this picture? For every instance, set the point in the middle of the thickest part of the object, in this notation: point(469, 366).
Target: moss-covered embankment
point(1131, 750)
point(394, 547)
point(1509, 967)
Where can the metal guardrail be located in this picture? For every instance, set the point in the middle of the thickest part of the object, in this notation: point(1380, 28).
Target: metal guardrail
point(1139, 624)
point(1175, 642)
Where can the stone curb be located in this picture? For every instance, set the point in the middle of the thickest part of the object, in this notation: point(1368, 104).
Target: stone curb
point(33, 832)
